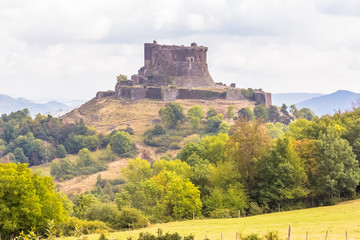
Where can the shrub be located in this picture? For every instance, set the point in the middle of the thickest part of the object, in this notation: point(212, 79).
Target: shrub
point(272, 235)
point(175, 145)
point(88, 227)
point(254, 209)
point(220, 213)
point(131, 218)
point(251, 236)
point(121, 143)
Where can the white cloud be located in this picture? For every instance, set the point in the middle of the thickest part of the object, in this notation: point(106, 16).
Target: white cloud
point(71, 49)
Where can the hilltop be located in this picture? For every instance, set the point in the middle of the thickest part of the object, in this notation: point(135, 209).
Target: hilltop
point(107, 114)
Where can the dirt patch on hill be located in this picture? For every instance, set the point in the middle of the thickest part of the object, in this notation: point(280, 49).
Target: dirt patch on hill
point(82, 184)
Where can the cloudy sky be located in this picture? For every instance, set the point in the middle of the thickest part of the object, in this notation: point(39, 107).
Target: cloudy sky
point(72, 49)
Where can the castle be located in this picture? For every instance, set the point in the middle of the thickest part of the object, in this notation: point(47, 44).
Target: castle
point(179, 72)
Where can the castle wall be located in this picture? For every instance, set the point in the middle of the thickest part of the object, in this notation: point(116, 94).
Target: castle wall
point(170, 94)
point(154, 93)
point(234, 94)
point(200, 94)
point(102, 94)
point(263, 97)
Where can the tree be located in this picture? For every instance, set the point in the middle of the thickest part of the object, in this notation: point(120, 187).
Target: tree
point(122, 78)
point(27, 200)
point(213, 123)
point(260, 111)
point(190, 149)
point(177, 166)
point(183, 198)
point(211, 112)
point(282, 175)
point(338, 170)
point(230, 112)
point(224, 127)
point(246, 114)
point(214, 148)
point(83, 203)
point(85, 158)
point(137, 170)
point(60, 151)
point(195, 122)
point(172, 114)
point(274, 114)
point(196, 111)
point(248, 143)
point(121, 143)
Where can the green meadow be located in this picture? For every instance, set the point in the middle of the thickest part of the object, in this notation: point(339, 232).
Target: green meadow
point(315, 221)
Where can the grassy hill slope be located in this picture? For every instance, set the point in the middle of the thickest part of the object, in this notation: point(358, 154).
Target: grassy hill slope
point(334, 219)
point(108, 114)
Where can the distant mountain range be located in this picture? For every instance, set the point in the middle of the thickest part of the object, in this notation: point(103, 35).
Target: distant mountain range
point(320, 104)
point(9, 104)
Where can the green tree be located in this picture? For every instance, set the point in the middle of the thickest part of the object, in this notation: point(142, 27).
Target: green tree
point(274, 114)
point(213, 123)
point(282, 176)
point(246, 114)
point(196, 111)
point(230, 112)
point(137, 170)
point(338, 170)
point(190, 149)
point(214, 148)
point(172, 114)
point(60, 151)
point(27, 200)
point(224, 127)
point(183, 198)
point(83, 203)
point(20, 156)
point(260, 111)
point(122, 78)
point(85, 158)
point(211, 112)
point(195, 123)
point(246, 146)
point(121, 143)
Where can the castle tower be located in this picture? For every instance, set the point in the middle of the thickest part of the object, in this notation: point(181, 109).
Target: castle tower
point(175, 65)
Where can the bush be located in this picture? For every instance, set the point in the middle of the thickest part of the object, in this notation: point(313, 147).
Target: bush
point(254, 209)
point(121, 143)
point(175, 145)
point(220, 213)
point(131, 218)
point(88, 227)
point(167, 236)
point(251, 236)
point(272, 235)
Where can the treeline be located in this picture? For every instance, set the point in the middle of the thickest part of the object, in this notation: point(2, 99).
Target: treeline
point(240, 173)
point(246, 172)
point(40, 140)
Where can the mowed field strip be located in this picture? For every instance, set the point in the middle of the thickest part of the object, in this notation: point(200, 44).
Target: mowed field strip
point(316, 221)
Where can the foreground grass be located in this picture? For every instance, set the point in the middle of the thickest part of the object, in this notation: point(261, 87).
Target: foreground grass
point(316, 221)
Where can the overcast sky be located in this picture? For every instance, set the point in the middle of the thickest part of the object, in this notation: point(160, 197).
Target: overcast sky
point(66, 49)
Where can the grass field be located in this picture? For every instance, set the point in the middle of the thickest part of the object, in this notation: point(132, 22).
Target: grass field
point(334, 219)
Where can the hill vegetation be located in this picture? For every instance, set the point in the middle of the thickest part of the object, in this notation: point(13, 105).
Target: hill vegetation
point(247, 161)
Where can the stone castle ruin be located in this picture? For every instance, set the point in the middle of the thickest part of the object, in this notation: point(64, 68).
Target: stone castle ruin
point(181, 66)
point(178, 72)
